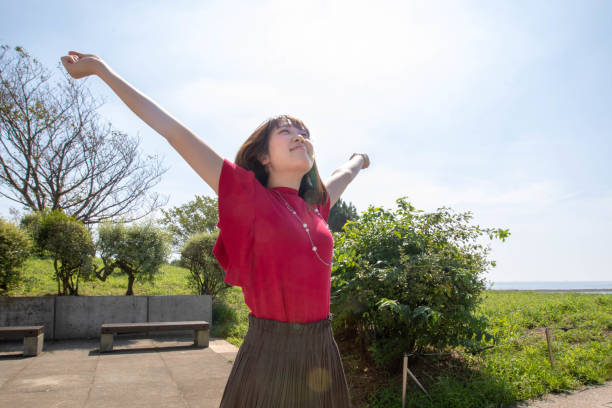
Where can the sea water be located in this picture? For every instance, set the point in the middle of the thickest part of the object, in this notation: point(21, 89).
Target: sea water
point(559, 286)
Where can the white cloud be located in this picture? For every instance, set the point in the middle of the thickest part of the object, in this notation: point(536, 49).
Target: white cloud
point(384, 185)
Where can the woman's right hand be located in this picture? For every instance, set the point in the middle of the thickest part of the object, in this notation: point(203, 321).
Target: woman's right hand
point(81, 65)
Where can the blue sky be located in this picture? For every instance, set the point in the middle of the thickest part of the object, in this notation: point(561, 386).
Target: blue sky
point(498, 108)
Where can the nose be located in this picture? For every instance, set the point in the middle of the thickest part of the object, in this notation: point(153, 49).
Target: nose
point(298, 139)
point(302, 141)
point(301, 138)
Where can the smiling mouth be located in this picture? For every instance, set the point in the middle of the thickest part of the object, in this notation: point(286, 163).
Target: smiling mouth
point(299, 147)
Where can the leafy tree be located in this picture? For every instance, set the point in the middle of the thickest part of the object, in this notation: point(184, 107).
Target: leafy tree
point(408, 280)
point(206, 274)
point(137, 250)
point(197, 216)
point(56, 153)
point(339, 214)
point(70, 245)
point(15, 248)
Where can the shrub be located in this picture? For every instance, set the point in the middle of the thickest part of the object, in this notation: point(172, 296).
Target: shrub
point(15, 248)
point(206, 275)
point(224, 318)
point(70, 245)
point(408, 280)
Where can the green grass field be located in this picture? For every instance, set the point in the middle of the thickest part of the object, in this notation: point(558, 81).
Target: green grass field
point(517, 368)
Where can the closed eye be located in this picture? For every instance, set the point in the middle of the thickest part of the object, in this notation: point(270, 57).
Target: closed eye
point(306, 135)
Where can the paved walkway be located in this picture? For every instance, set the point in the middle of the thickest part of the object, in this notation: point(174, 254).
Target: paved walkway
point(165, 372)
point(162, 372)
point(598, 396)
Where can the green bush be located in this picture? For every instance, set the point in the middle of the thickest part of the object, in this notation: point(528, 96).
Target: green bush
point(206, 275)
point(70, 245)
point(224, 317)
point(406, 281)
point(15, 248)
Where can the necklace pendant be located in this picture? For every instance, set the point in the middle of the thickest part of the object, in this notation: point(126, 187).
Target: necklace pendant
point(305, 225)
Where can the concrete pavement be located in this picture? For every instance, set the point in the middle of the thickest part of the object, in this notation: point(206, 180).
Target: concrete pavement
point(597, 396)
point(139, 372)
point(161, 372)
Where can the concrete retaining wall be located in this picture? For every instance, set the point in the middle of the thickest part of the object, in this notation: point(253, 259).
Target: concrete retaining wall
point(27, 311)
point(80, 317)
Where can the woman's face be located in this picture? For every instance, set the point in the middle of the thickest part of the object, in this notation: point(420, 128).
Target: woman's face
point(290, 153)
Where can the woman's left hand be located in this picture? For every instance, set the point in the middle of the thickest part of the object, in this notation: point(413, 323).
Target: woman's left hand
point(81, 65)
point(366, 160)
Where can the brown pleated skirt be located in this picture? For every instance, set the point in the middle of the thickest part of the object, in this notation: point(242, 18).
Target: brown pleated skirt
point(284, 364)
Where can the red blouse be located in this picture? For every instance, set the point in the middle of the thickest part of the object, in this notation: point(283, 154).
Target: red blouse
point(264, 248)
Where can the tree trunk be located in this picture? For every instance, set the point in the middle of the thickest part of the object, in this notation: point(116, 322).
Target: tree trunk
point(59, 291)
point(130, 291)
point(73, 287)
point(65, 286)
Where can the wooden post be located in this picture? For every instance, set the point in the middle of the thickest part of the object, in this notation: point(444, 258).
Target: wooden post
point(416, 381)
point(404, 380)
point(550, 353)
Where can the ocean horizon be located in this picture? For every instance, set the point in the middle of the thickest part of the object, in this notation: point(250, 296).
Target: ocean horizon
point(554, 286)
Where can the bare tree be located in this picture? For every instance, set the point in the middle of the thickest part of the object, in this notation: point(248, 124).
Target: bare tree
point(56, 153)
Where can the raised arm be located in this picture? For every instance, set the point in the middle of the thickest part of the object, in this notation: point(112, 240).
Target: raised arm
point(203, 159)
point(342, 176)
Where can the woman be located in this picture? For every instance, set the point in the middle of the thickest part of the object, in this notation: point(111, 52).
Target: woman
point(274, 243)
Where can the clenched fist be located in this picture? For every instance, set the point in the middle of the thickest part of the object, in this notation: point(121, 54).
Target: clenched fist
point(81, 65)
point(366, 160)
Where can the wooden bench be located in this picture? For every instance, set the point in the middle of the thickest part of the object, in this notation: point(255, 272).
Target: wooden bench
point(107, 330)
point(33, 337)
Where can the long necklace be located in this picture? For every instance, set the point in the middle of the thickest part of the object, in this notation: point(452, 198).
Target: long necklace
point(314, 248)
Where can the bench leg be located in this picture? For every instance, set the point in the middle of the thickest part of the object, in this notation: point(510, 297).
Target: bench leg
point(201, 338)
point(106, 342)
point(32, 346)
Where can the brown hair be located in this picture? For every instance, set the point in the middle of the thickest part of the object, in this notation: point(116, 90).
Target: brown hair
point(312, 189)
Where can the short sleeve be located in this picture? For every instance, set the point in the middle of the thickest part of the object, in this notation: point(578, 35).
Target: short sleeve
point(233, 248)
point(324, 209)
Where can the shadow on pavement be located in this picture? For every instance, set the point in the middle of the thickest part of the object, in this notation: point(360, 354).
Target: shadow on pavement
point(124, 344)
